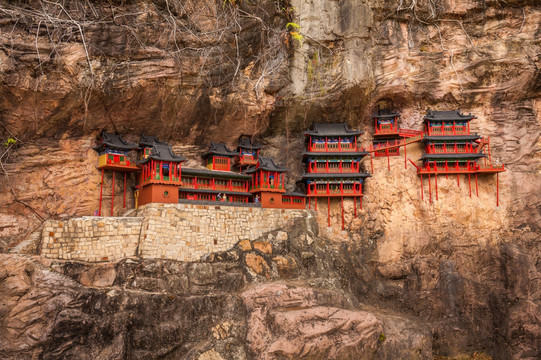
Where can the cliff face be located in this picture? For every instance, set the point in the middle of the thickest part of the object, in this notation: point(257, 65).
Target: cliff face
point(192, 71)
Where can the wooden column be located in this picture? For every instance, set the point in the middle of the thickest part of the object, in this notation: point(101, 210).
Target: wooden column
point(329, 210)
point(355, 206)
point(342, 209)
point(476, 188)
point(124, 204)
point(113, 194)
point(497, 190)
point(469, 182)
point(436, 180)
point(422, 192)
point(101, 192)
point(429, 189)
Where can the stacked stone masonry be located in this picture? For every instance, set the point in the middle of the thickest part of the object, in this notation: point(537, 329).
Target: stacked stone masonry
point(183, 232)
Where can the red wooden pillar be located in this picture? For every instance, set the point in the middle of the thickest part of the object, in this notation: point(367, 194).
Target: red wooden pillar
point(405, 157)
point(315, 205)
point(101, 192)
point(309, 202)
point(113, 194)
point(457, 177)
point(429, 189)
point(476, 188)
point(388, 161)
point(436, 180)
point(355, 206)
point(497, 190)
point(422, 192)
point(124, 204)
point(329, 210)
point(342, 208)
point(371, 161)
point(469, 182)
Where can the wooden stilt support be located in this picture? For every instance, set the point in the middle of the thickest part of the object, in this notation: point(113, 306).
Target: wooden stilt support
point(315, 205)
point(101, 192)
point(371, 162)
point(422, 192)
point(361, 200)
point(405, 157)
point(458, 180)
point(113, 194)
point(388, 160)
point(355, 206)
point(429, 189)
point(329, 211)
point(497, 190)
point(309, 203)
point(342, 208)
point(476, 188)
point(124, 203)
point(436, 179)
point(469, 182)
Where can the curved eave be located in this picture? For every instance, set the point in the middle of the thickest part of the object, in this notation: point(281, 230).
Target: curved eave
point(352, 133)
point(207, 191)
point(462, 156)
point(451, 137)
point(335, 153)
point(214, 174)
point(335, 175)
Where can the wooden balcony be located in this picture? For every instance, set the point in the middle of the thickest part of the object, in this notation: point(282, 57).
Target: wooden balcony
point(116, 162)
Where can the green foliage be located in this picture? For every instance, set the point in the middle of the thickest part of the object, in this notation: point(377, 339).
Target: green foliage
point(294, 32)
point(10, 141)
point(382, 337)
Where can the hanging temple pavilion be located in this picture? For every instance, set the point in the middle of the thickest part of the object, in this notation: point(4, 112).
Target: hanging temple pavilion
point(333, 155)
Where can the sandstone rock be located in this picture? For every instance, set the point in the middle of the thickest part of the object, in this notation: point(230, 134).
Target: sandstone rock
point(263, 246)
point(245, 245)
point(286, 266)
point(257, 264)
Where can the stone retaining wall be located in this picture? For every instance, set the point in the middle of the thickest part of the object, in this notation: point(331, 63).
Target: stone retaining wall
point(184, 232)
point(91, 238)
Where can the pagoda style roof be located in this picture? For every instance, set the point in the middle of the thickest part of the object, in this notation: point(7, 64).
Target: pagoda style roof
point(294, 193)
point(385, 114)
point(216, 174)
point(452, 156)
point(148, 140)
point(209, 191)
point(335, 175)
point(335, 153)
point(219, 149)
point(334, 129)
point(434, 115)
point(162, 152)
point(245, 142)
point(452, 137)
point(266, 164)
point(114, 141)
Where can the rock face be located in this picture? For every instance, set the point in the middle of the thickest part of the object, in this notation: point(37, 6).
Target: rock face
point(147, 309)
point(191, 71)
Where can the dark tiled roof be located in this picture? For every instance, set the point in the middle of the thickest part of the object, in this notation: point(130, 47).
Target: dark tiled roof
point(336, 153)
point(246, 143)
point(294, 193)
point(434, 115)
point(148, 140)
point(215, 174)
point(219, 149)
point(207, 191)
point(335, 129)
point(385, 114)
point(114, 141)
point(162, 152)
point(452, 137)
point(336, 175)
point(451, 156)
point(266, 164)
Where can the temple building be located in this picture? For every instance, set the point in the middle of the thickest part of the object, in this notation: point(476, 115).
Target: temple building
point(333, 167)
point(113, 154)
point(160, 176)
point(217, 182)
point(386, 131)
point(247, 153)
point(450, 148)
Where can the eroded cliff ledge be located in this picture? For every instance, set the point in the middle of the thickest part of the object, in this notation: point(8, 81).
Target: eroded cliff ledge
point(191, 71)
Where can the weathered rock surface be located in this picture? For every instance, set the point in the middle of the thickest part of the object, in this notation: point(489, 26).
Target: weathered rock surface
point(192, 71)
